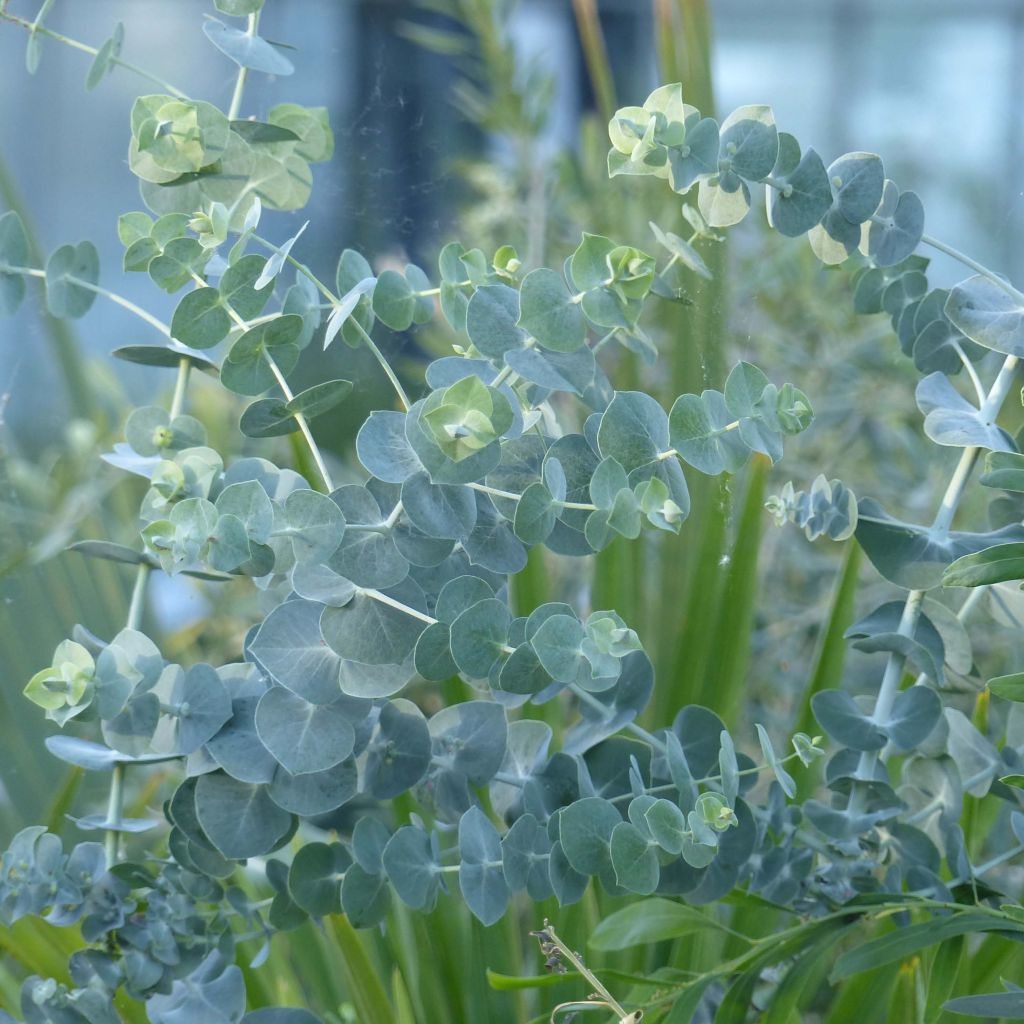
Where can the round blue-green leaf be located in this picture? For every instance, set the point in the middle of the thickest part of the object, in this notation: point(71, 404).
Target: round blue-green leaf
point(535, 515)
point(492, 319)
point(238, 287)
point(439, 510)
point(239, 818)
point(317, 792)
point(702, 435)
point(69, 272)
point(474, 735)
point(896, 226)
point(634, 859)
point(202, 703)
point(525, 850)
point(268, 417)
point(634, 430)
point(394, 301)
point(548, 313)
point(373, 632)
point(167, 356)
point(557, 642)
point(411, 867)
point(247, 51)
point(857, 180)
point(568, 884)
point(523, 672)
point(369, 557)
point(915, 713)
point(320, 398)
point(698, 156)
point(585, 831)
point(458, 594)
point(246, 370)
point(383, 448)
point(838, 714)
point(14, 252)
point(804, 198)
point(478, 636)
point(291, 648)
point(315, 525)
point(365, 897)
point(200, 319)
point(433, 654)
point(398, 754)
point(988, 315)
point(303, 737)
point(749, 142)
point(481, 877)
point(314, 878)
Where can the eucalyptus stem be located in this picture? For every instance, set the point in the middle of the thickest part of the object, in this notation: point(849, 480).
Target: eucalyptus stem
point(115, 809)
point(303, 423)
point(974, 265)
point(243, 72)
point(76, 44)
point(335, 301)
point(384, 364)
point(138, 602)
point(912, 608)
point(282, 383)
point(136, 608)
point(180, 387)
point(79, 282)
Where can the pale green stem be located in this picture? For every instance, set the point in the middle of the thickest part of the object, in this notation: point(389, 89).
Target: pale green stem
point(300, 419)
point(578, 965)
point(384, 364)
point(92, 51)
point(141, 313)
point(303, 423)
point(243, 73)
point(513, 496)
point(974, 265)
point(979, 388)
point(136, 608)
point(912, 609)
point(335, 302)
point(507, 371)
point(180, 387)
point(376, 595)
point(115, 806)
point(138, 602)
point(943, 520)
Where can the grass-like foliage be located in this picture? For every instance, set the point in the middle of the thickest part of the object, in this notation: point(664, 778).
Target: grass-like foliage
point(517, 440)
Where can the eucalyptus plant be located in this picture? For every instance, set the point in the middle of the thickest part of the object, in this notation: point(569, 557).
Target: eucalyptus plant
point(517, 440)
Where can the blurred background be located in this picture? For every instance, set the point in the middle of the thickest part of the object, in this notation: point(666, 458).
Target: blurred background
point(483, 120)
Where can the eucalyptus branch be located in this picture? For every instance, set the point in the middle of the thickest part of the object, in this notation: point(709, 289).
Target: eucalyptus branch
point(79, 282)
point(136, 608)
point(912, 608)
point(335, 301)
point(314, 449)
point(75, 44)
point(243, 72)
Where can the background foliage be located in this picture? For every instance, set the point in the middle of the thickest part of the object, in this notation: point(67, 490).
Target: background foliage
point(716, 579)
